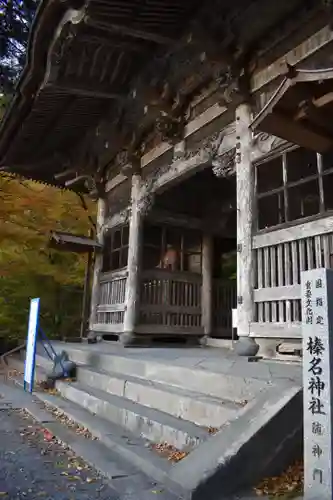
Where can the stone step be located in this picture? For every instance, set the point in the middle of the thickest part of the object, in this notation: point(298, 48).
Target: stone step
point(154, 425)
point(203, 410)
point(260, 442)
point(127, 452)
point(233, 388)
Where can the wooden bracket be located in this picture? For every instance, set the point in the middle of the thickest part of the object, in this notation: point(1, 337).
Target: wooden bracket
point(129, 161)
point(170, 108)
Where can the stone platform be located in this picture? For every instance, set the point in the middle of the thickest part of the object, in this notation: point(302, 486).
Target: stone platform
point(234, 420)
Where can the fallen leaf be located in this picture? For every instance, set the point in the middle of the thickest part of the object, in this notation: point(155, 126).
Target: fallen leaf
point(212, 430)
point(90, 480)
point(169, 451)
point(290, 482)
point(47, 435)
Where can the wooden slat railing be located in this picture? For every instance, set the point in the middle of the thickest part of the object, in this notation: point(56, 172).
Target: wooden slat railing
point(111, 303)
point(280, 258)
point(170, 302)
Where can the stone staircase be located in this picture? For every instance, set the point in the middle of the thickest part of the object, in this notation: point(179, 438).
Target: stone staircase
point(232, 427)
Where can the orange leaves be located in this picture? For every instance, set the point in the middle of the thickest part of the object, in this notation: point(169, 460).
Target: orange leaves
point(170, 452)
point(288, 484)
point(28, 212)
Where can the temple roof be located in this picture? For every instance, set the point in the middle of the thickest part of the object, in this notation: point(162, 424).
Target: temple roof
point(73, 243)
point(300, 110)
point(93, 66)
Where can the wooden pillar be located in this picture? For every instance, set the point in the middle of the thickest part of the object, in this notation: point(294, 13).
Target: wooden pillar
point(207, 284)
point(101, 213)
point(245, 211)
point(86, 291)
point(133, 264)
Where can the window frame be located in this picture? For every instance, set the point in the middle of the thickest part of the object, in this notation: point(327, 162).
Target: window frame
point(319, 177)
point(183, 252)
point(111, 250)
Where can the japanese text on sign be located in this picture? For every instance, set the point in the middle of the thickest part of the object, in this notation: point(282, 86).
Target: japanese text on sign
point(316, 383)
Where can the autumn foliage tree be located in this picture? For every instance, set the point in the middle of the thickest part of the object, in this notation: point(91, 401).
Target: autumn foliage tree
point(28, 267)
point(29, 211)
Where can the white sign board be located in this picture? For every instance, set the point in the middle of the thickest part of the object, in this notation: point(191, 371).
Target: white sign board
point(317, 331)
point(234, 318)
point(30, 358)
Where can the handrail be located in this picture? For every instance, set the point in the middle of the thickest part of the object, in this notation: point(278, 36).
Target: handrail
point(12, 351)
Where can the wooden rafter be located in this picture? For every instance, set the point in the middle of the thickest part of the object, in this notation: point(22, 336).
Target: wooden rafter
point(105, 41)
point(127, 31)
point(296, 112)
point(76, 87)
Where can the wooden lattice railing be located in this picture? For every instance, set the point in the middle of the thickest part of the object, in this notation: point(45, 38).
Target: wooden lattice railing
point(170, 302)
point(111, 303)
point(280, 257)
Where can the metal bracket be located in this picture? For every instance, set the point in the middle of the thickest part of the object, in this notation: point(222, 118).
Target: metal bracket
point(239, 299)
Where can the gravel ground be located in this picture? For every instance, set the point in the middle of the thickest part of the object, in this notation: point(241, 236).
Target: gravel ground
point(32, 466)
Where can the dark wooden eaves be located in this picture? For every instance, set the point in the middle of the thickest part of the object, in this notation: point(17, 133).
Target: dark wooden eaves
point(300, 110)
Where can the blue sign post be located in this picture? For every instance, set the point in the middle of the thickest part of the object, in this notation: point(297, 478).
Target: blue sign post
point(30, 358)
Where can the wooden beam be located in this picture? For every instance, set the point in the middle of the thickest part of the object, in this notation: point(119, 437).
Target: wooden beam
point(119, 274)
point(276, 330)
point(193, 126)
point(297, 54)
point(127, 31)
point(259, 79)
point(322, 225)
point(318, 116)
point(76, 88)
point(283, 126)
point(70, 172)
point(170, 330)
point(116, 219)
point(291, 292)
point(108, 328)
point(106, 41)
point(166, 217)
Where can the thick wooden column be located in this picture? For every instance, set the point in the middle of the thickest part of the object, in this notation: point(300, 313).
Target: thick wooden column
point(101, 213)
point(133, 264)
point(245, 211)
point(86, 291)
point(207, 284)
